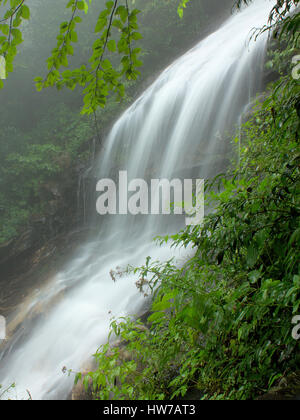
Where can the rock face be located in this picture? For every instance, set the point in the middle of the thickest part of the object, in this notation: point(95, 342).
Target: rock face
point(288, 389)
point(79, 391)
point(61, 213)
point(28, 270)
point(16, 247)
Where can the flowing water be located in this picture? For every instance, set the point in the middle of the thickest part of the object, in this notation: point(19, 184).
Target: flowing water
point(178, 127)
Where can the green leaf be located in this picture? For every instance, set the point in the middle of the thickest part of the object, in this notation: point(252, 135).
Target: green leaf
point(111, 45)
point(252, 255)
point(25, 12)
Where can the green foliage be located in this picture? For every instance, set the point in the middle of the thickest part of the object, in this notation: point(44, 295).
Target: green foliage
point(221, 324)
point(5, 391)
point(101, 77)
point(281, 19)
point(181, 7)
point(62, 136)
point(113, 367)
point(114, 57)
point(281, 60)
point(11, 36)
point(116, 31)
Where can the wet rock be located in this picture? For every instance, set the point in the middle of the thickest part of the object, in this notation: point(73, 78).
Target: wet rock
point(16, 247)
point(60, 215)
point(79, 391)
point(288, 389)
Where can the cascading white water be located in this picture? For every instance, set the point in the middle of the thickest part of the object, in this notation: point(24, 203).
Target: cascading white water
point(175, 127)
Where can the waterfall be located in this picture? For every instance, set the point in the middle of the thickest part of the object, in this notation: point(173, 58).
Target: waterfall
point(179, 127)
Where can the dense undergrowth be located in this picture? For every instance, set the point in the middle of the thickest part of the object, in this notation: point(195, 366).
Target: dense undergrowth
point(221, 324)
